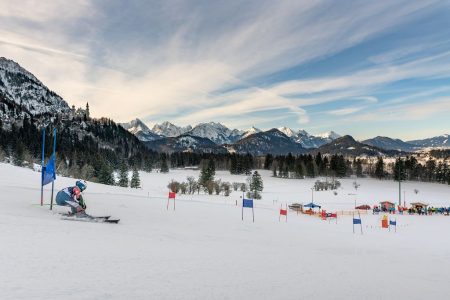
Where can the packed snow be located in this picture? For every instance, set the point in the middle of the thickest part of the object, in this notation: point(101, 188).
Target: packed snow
point(203, 250)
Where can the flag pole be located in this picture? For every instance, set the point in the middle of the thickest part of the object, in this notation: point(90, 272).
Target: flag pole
point(353, 222)
point(54, 157)
point(242, 206)
point(42, 166)
point(360, 223)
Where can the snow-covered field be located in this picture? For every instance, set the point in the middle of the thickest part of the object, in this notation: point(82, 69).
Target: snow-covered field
point(204, 251)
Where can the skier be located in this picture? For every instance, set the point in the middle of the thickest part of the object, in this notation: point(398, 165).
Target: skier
point(71, 196)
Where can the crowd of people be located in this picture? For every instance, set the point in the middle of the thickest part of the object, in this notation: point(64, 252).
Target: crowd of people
point(420, 210)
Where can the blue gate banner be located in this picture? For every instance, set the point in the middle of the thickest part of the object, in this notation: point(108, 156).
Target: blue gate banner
point(247, 203)
point(356, 221)
point(49, 174)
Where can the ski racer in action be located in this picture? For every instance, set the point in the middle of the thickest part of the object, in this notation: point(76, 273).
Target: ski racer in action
point(71, 196)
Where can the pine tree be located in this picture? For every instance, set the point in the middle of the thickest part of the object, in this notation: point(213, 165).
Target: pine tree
point(268, 161)
point(379, 168)
point(358, 168)
point(19, 154)
point(135, 180)
point(399, 170)
point(105, 175)
point(164, 166)
point(123, 175)
point(256, 185)
point(208, 172)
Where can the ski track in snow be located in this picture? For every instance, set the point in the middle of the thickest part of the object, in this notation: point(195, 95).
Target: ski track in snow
point(204, 251)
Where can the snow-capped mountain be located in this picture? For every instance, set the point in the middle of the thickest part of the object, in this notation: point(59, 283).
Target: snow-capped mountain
point(330, 135)
point(272, 141)
point(216, 132)
point(19, 86)
point(140, 130)
point(437, 141)
point(168, 129)
point(249, 132)
point(387, 143)
point(288, 131)
point(309, 141)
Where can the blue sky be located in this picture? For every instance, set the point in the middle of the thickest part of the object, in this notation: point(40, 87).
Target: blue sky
point(363, 68)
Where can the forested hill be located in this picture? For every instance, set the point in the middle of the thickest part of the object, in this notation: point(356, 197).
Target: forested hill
point(86, 148)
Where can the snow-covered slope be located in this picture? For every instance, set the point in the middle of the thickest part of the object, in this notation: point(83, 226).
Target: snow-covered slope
point(203, 250)
point(24, 89)
point(168, 129)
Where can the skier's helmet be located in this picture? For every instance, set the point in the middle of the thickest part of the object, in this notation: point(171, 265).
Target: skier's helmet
point(81, 184)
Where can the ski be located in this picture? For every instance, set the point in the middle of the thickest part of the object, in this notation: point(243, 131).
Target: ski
point(74, 215)
point(92, 220)
point(88, 218)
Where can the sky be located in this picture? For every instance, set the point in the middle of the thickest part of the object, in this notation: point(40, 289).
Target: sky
point(363, 68)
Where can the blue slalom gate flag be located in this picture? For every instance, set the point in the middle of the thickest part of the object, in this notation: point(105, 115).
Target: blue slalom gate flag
point(393, 223)
point(356, 221)
point(247, 203)
point(49, 174)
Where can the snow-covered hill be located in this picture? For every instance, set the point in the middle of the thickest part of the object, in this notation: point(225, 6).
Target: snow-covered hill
point(203, 250)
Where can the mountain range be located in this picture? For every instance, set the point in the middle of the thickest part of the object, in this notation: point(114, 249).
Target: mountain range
point(217, 138)
point(22, 95)
point(232, 139)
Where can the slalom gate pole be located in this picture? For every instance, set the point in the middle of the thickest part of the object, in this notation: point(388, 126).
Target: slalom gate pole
point(353, 222)
point(242, 206)
point(42, 166)
point(253, 212)
point(54, 156)
point(360, 222)
point(279, 213)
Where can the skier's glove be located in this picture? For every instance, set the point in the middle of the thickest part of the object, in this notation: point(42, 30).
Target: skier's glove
point(82, 204)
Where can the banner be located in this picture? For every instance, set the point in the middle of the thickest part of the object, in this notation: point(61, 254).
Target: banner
point(49, 171)
point(247, 203)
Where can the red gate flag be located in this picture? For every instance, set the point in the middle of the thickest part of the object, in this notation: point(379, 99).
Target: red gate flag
point(283, 212)
point(172, 195)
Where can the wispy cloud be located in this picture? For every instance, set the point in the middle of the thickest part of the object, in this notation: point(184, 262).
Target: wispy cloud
point(197, 62)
